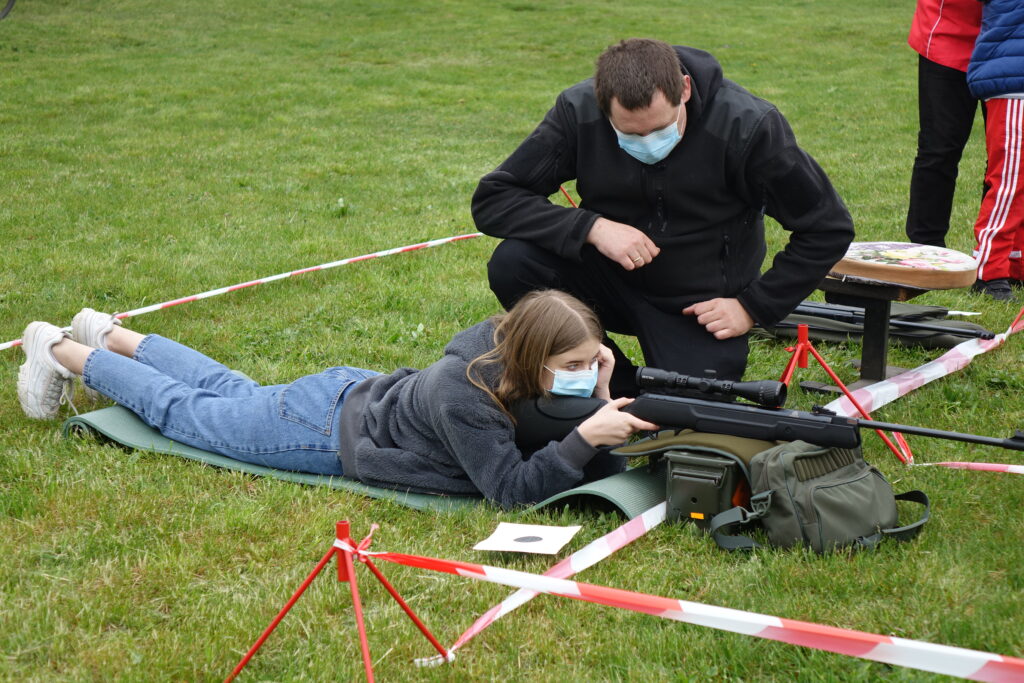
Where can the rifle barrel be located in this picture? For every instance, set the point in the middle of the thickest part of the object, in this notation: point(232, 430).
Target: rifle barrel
point(1015, 442)
point(779, 424)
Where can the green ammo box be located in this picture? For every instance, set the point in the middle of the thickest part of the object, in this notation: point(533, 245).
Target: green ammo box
point(704, 474)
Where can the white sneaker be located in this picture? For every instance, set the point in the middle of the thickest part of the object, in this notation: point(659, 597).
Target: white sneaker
point(91, 328)
point(43, 383)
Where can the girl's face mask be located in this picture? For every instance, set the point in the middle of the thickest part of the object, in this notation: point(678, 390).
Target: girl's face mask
point(574, 382)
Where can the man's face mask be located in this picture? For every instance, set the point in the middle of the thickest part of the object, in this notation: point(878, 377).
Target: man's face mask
point(653, 147)
point(574, 382)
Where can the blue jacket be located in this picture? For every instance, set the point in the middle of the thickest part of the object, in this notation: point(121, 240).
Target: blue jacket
point(997, 64)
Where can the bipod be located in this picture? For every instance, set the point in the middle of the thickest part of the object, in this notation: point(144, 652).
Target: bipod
point(799, 359)
point(344, 547)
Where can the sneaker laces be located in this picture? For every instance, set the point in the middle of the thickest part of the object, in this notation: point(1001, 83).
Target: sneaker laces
point(67, 395)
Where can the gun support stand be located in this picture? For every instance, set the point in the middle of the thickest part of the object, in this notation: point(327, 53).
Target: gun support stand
point(799, 359)
point(344, 547)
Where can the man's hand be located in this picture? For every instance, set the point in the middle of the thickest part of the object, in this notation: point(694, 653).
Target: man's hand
point(723, 318)
point(622, 243)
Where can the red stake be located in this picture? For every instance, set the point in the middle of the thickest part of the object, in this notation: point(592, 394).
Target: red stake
point(345, 556)
point(799, 357)
point(280, 615)
point(1020, 313)
point(346, 573)
point(568, 197)
point(398, 598)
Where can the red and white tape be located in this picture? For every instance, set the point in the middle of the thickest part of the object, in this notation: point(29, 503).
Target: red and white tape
point(279, 276)
point(980, 466)
point(583, 558)
point(942, 659)
point(876, 395)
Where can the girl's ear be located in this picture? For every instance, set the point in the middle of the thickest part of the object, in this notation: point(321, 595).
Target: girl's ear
point(545, 378)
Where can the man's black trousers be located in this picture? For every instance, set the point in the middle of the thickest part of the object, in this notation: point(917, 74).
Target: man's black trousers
point(946, 111)
point(668, 339)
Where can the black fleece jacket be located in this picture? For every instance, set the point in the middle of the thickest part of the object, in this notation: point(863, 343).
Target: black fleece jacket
point(434, 431)
point(703, 205)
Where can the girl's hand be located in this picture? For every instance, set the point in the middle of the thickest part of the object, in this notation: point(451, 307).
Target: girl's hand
point(609, 426)
point(605, 365)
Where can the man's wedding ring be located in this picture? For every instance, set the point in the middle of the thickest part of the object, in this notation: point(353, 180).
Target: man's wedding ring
point(638, 259)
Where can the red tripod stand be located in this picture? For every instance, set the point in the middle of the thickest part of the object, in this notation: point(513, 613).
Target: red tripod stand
point(344, 547)
point(799, 359)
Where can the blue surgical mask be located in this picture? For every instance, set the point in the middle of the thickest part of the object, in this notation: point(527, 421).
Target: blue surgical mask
point(653, 147)
point(574, 382)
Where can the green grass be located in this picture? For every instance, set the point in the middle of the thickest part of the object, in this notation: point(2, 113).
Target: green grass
point(152, 150)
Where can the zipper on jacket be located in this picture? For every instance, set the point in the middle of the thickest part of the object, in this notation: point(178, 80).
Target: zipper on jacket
point(646, 192)
point(726, 258)
point(659, 198)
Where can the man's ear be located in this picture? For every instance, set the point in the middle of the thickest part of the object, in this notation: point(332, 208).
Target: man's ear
point(686, 89)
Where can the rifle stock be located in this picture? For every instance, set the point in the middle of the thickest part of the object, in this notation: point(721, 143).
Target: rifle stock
point(542, 420)
point(767, 424)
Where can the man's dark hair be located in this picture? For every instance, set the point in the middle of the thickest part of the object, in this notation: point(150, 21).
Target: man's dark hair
point(632, 70)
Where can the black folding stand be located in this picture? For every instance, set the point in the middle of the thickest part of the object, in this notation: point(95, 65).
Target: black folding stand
point(876, 299)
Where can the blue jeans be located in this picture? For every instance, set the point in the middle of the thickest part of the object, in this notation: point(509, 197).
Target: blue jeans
point(197, 401)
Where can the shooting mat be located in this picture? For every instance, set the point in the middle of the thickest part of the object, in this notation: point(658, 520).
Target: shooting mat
point(631, 492)
point(124, 427)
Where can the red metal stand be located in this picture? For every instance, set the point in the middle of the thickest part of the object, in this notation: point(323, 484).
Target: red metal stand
point(799, 359)
point(346, 573)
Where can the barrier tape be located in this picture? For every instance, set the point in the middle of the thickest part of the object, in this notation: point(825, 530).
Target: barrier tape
point(583, 558)
point(942, 659)
point(279, 276)
point(980, 466)
point(876, 395)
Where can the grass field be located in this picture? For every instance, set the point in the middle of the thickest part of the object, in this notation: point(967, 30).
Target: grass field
point(153, 150)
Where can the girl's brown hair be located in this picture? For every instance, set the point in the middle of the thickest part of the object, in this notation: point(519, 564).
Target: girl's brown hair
point(542, 324)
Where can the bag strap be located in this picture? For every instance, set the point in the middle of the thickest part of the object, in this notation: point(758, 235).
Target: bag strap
point(905, 533)
point(762, 501)
point(900, 533)
point(736, 516)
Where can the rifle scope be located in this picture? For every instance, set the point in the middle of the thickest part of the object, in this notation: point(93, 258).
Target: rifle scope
point(767, 393)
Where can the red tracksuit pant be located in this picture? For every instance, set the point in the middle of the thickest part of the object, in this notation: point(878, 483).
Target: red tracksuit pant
point(999, 230)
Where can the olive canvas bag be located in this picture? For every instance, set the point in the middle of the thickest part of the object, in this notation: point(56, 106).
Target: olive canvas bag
point(825, 498)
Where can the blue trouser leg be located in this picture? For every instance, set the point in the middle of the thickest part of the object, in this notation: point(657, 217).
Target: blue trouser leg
point(193, 368)
point(196, 401)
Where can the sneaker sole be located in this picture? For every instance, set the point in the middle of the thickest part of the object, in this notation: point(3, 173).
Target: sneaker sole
point(41, 385)
point(27, 397)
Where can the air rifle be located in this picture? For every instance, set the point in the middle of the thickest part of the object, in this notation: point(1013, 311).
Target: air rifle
point(670, 401)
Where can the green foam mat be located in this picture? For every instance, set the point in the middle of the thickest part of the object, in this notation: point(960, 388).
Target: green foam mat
point(121, 425)
point(631, 492)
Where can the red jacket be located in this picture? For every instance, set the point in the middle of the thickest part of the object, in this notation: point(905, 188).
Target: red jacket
point(944, 31)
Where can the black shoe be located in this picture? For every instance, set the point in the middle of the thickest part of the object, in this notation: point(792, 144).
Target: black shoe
point(999, 289)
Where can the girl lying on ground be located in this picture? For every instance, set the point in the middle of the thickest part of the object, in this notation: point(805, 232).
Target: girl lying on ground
point(444, 429)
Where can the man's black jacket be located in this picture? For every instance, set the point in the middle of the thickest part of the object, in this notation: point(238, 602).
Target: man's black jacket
point(703, 205)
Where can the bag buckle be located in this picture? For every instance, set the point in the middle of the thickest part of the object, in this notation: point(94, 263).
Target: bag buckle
point(759, 504)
